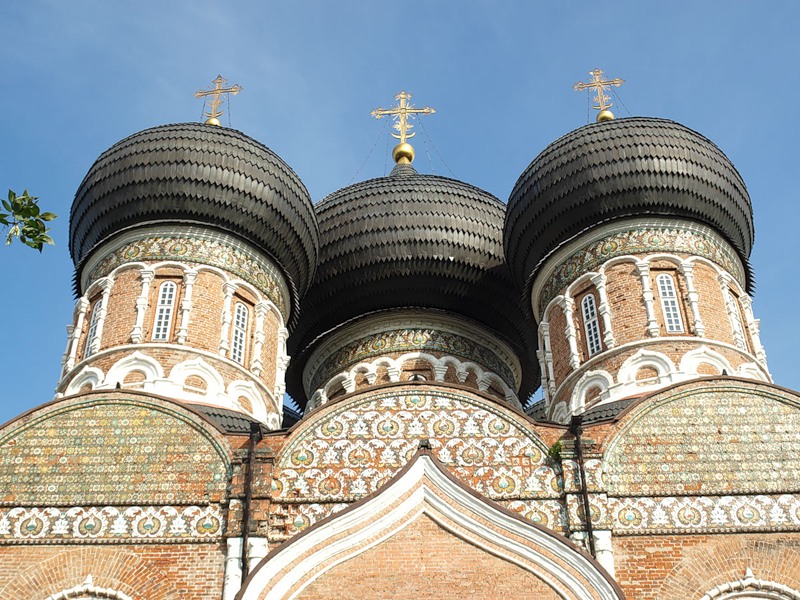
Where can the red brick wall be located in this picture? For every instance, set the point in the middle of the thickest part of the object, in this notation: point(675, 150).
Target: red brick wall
point(151, 572)
point(426, 561)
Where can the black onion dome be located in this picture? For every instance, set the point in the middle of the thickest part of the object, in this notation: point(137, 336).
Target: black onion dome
point(197, 173)
point(411, 241)
point(623, 168)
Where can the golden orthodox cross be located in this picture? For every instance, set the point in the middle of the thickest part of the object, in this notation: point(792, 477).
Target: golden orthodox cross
point(401, 113)
point(599, 85)
point(215, 94)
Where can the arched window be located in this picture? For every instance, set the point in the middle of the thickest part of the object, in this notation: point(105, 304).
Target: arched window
point(239, 332)
point(590, 324)
point(166, 302)
point(95, 321)
point(669, 303)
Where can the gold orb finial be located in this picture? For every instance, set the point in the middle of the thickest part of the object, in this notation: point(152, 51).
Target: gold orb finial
point(213, 121)
point(403, 153)
point(605, 115)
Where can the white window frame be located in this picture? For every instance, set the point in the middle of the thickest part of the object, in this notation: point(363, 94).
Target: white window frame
point(162, 321)
point(94, 323)
point(670, 306)
point(591, 324)
point(241, 317)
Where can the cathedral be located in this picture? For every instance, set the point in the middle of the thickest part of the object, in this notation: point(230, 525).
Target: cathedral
point(411, 318)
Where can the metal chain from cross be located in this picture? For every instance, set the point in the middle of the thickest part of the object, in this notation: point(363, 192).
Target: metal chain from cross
point(600, 85)
point(401, 112)
point(219, 89)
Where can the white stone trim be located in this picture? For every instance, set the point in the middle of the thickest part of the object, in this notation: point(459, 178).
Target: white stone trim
point(596, 234)
point(256, 364)
point(228, 289)
point(88, 375)
point(567, 305)
point(105, 284)
point(189, 277)
point(424, 490)
point(687, 270)
point(232, 582)
point(590, 379)
point(692, 360)
point(133, 362)
point(146, 276)
point(395, 367)
point(643, 266)
point(750, 587)
point(88, 590)
point(74, 332)
point(411, 319)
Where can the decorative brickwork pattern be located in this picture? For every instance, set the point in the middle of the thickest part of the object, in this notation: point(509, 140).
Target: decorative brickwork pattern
point(708, 438)
point(347, 451)
point(642, 240)
point(406, 340)
point(203, 250)
point(112, 449)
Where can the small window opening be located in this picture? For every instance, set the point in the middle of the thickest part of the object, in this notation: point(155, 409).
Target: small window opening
point(166, 303)
point(669, 303)
point(590, 325)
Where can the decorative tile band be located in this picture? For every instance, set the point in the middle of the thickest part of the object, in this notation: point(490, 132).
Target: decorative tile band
point(641, 240)
point(199, 249)
point(411, 340)
point(109, 523)
point(704, 514)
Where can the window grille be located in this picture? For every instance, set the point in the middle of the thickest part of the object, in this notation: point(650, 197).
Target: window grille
point(92, 328)
point(669, 303)
point(590, 325)
point(166, 303)
point(239, 332)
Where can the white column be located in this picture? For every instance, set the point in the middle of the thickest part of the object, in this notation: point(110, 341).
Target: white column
point(568, 306)
point(281, 363)
point(754, 327)
point(189, 278)
point(146, 277)
point(687, 269)
point(228, 289)
point(649, 300)
point(233, 569)
point(105, 284)
point(733, 317)
point(544, 332)
point(257, 365)
point(74, 332)
point(257, 549)
point(604, 309)
point(603, 550)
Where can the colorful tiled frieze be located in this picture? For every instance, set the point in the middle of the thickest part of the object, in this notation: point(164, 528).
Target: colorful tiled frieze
point(215, 251)
point(704, 514)
point(720, 439)
point(111, 450)
point(349, 451)
point(110, 523)
point(411, 340)
point(693, 241)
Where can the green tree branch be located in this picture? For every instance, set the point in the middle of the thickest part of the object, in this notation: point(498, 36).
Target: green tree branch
point(24, 219)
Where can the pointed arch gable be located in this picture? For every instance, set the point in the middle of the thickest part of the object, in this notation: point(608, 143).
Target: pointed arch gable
point(424, 488)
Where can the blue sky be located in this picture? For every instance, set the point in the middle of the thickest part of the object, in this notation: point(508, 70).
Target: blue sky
point(79, 76)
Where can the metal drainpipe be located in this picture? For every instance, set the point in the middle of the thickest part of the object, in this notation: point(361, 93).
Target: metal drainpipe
point(255, 436)
point(575, 428)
